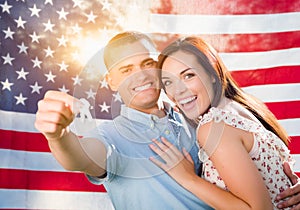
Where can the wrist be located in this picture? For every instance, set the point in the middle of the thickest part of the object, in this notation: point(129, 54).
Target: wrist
point(192, 181)
point(58, 137)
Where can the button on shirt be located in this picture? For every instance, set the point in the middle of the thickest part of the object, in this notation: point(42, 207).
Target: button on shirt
point(133, 182)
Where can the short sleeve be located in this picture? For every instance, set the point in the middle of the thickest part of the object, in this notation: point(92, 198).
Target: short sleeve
point(111, 163)
point(111, 156)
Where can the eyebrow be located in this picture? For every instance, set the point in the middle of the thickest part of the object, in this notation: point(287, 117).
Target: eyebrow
point(142, 63)
point(185, 70)
point(146, 60)
point(125, 67)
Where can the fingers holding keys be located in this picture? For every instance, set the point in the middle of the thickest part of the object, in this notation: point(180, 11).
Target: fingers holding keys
point(52, 117)
point(58, 109)
point(73, 103)
point(55, 112)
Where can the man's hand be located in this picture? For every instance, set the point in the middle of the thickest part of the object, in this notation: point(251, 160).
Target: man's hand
point(291, 194)
point(55, 112)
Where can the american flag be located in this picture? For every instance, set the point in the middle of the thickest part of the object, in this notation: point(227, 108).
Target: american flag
point(52, 44)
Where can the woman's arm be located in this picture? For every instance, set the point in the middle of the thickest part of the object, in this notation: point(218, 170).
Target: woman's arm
point(247, 189)
point(228, 150)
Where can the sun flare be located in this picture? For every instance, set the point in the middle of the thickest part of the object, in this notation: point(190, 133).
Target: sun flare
point(87, 47)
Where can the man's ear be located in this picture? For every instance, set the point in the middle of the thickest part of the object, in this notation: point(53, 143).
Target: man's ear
point(110, 82)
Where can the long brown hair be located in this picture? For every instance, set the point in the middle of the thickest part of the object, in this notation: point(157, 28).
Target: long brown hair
point(225, 85)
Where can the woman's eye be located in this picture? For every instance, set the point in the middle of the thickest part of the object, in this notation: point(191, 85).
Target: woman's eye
point(167, 83)
point(189, 75)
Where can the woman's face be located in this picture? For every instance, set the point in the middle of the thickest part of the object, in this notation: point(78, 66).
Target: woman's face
point(187, 84)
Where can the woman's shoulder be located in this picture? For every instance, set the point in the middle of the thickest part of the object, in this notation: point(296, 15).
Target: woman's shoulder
point(232, 114)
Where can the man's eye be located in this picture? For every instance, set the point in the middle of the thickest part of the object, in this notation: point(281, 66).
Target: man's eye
point(149, 64)
point(124, 71)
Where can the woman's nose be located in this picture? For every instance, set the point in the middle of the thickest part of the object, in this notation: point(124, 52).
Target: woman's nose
point(180, 87)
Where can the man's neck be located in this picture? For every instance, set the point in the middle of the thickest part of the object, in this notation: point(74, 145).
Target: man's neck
point(159, 113)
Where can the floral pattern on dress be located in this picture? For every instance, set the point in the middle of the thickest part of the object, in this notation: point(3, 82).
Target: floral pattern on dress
point(268, 151)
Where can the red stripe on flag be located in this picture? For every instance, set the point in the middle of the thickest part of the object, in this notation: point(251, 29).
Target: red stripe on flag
point(244, 42)
point(285, 110)
point(46, 180)
point(254, 42)
point(276, 75)
point(15, 140)
point(219, 7)
point(294, 145)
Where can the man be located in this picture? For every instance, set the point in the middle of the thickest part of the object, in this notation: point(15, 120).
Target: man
point(117, 153)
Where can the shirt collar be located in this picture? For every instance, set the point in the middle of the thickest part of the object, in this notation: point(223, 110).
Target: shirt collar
point(144, 118)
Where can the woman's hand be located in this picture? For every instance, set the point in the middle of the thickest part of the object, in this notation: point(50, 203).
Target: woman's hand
point(179, 166)
point(292, 194)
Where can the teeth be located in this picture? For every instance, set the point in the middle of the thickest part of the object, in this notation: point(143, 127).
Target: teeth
point(144, 87)
point(187, 100)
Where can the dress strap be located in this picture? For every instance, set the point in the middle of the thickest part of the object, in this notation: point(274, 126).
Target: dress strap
point(230, 118)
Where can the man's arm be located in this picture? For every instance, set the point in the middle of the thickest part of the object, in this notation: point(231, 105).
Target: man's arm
point(293, 193)
point(55, 113)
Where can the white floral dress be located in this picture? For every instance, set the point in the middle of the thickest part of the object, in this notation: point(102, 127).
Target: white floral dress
point(268, 151)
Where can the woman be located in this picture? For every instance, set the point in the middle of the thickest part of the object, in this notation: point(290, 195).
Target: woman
point(242, 145)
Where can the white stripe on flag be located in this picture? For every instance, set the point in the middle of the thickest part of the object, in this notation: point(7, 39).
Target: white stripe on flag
point(276, 92)
point(260, 60)
point(24, 122)
point(297, 164)
point(40, 199)
point(224, 24)
point(16, 121)
point(37, 161)
point(292, 126)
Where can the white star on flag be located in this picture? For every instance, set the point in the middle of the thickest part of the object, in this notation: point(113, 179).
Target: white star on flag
point(34, 11)
point(8, 59)
point(104, 107)
point(6, 85)
point(50, 76)
point(23, 48)
point(5, 7)
point(22, 74)
point(36, 88)
point(20, 99)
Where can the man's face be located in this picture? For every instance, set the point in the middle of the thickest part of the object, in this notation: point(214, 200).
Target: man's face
point(135, 77)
